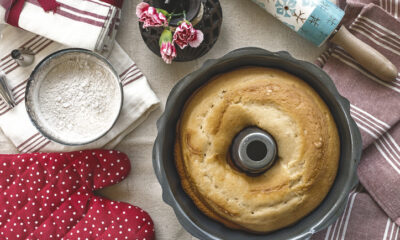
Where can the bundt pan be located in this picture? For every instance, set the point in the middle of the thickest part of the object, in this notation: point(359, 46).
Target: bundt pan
point(191, 218)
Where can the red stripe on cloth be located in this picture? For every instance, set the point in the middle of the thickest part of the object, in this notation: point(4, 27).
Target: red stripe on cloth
point(5, 111)
point(24, 45)
point(6, 62)
point(98, 3)
point(19, 101)
point(77, 10)
point(19, 91)
point(134, 70)
point(33, 43)
point(17, 94)
point(84, 12)
point(133, 65)
point(32, 147)
point(37, 45)
point(3, 108)
point(20, 96)
point(72, 16)
point(116, 3)
point(133, 74)
point(19, 85)
point(29, 41)
point(43, 47)
point(12, 69)
point(43, 145)
point(16, 101)
point(27, 140)
point(5, 57)
point(80, 19)
point(136, 78)
point(36, 52)
point(29, 145)
point(9, 66)
point(130, 76)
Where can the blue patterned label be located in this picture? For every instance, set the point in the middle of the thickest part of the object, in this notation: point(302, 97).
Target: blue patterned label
point(321, 22)
point(314, 20)
point(285, 8)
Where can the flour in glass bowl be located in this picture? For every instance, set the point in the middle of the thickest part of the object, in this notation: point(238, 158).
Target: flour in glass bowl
point(79, 100)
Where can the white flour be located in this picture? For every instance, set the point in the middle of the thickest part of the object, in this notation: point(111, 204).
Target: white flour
point(78, 100)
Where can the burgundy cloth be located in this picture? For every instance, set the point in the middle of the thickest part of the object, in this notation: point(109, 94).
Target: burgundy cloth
point(14, 9)
point(362, 220)
point(375, 106)
point(117, 3)
point(50, 196)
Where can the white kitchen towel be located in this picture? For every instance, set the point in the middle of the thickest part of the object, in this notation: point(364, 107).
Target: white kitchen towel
point(139, 98)
point(90, 24)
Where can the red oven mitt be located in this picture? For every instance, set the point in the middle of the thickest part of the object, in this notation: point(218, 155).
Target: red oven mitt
point(50, 196)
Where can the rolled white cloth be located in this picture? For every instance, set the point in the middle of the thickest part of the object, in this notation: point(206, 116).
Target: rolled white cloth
point(90, 24)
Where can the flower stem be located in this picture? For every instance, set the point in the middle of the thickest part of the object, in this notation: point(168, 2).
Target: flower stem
point(176, 14)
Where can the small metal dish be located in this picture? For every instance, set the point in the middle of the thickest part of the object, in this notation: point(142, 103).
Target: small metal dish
point(203, 227)
point(39, 73)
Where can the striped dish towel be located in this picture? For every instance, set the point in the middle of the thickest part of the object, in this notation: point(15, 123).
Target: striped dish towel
point(139, 99)
point(374, 211)
point(90, 24)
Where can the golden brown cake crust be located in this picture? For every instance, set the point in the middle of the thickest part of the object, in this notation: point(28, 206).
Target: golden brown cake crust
point(301, 124)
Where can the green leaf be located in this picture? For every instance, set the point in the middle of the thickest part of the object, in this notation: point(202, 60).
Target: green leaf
point(159, 10)
point(166, 36)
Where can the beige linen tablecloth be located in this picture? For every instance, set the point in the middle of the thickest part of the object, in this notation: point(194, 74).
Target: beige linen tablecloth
point(244, 25)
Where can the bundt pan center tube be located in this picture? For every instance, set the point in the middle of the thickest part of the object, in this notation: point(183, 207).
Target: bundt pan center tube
point(203, 227)
point(253, 151)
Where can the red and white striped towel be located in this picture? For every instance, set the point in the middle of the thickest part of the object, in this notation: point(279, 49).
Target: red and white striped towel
point(374, 212)
point(90, 24)
point(139, 99)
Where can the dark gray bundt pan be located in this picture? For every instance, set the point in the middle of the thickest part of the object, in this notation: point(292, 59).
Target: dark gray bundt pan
point(191, 218)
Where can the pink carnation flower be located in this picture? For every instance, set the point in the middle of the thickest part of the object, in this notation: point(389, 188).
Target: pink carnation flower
point(185, 34)
point(167, 48)
point(149, 16)
point(168, 52)
point(141, 9)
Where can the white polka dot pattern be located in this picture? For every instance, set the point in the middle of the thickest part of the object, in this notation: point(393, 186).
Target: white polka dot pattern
point(50, 196)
